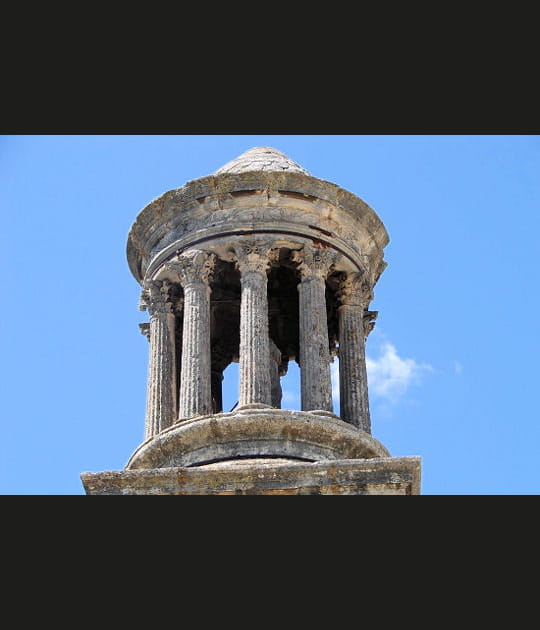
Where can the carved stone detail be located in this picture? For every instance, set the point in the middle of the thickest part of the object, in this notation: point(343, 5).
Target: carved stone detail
point(355, 289)
point(193, 266)
point(143, 299)
point(314, 261)
point(253, 255)
point(145, 329)
point(155, 297)
point(369, 321)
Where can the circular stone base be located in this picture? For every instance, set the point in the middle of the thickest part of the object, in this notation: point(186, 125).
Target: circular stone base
point(264, 434)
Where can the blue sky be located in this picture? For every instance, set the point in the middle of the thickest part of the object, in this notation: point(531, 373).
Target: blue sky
point(452, 362)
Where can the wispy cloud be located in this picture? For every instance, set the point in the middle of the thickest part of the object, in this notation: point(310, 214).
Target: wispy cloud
point(389, 375)
point(458, 368)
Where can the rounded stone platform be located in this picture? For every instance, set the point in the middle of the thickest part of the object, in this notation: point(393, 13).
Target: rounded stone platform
point(265, 434)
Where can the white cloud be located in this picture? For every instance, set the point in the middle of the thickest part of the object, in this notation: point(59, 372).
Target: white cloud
point(458, 368)
point(389, 375)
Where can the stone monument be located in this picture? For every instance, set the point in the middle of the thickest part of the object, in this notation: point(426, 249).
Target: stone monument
point(261, 264)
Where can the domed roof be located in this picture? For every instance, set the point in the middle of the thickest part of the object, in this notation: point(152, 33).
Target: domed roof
point(261, 159)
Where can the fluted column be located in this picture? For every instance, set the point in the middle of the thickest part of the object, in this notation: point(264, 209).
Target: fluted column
point(161, 386)
point(255, 387)
point(194, 269)
point(315, 377)
point(354, 294)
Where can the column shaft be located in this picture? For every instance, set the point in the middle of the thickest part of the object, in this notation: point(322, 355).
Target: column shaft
point(255, 387)
point(195, 379)
point(161, 385)
point(315, 378)
point(353, 385)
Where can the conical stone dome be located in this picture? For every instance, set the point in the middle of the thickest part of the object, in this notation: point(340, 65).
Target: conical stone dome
point(261, 159)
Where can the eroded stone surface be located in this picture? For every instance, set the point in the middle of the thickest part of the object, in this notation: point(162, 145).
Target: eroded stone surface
point(161, 387)
point(253, 260)
point(315, 377)
point(380, 476)
point(261, 159)
point(194, 269)
point(256, 432)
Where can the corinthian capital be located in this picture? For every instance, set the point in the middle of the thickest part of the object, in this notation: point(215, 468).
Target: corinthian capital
point(155, 297)
point(314, 261)
point(355, 290)
point(253, 255)
point(193, 266)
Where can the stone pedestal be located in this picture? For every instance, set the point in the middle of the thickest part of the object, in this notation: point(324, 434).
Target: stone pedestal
point(262, 451)
point(380, 476)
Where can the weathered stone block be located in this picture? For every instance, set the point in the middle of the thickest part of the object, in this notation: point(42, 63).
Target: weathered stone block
point(380, 476)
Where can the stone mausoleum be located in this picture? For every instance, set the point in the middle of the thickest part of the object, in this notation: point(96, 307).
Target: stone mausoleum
point(261, 264)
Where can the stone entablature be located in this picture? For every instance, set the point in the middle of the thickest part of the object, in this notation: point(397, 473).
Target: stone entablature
point(288, 203)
